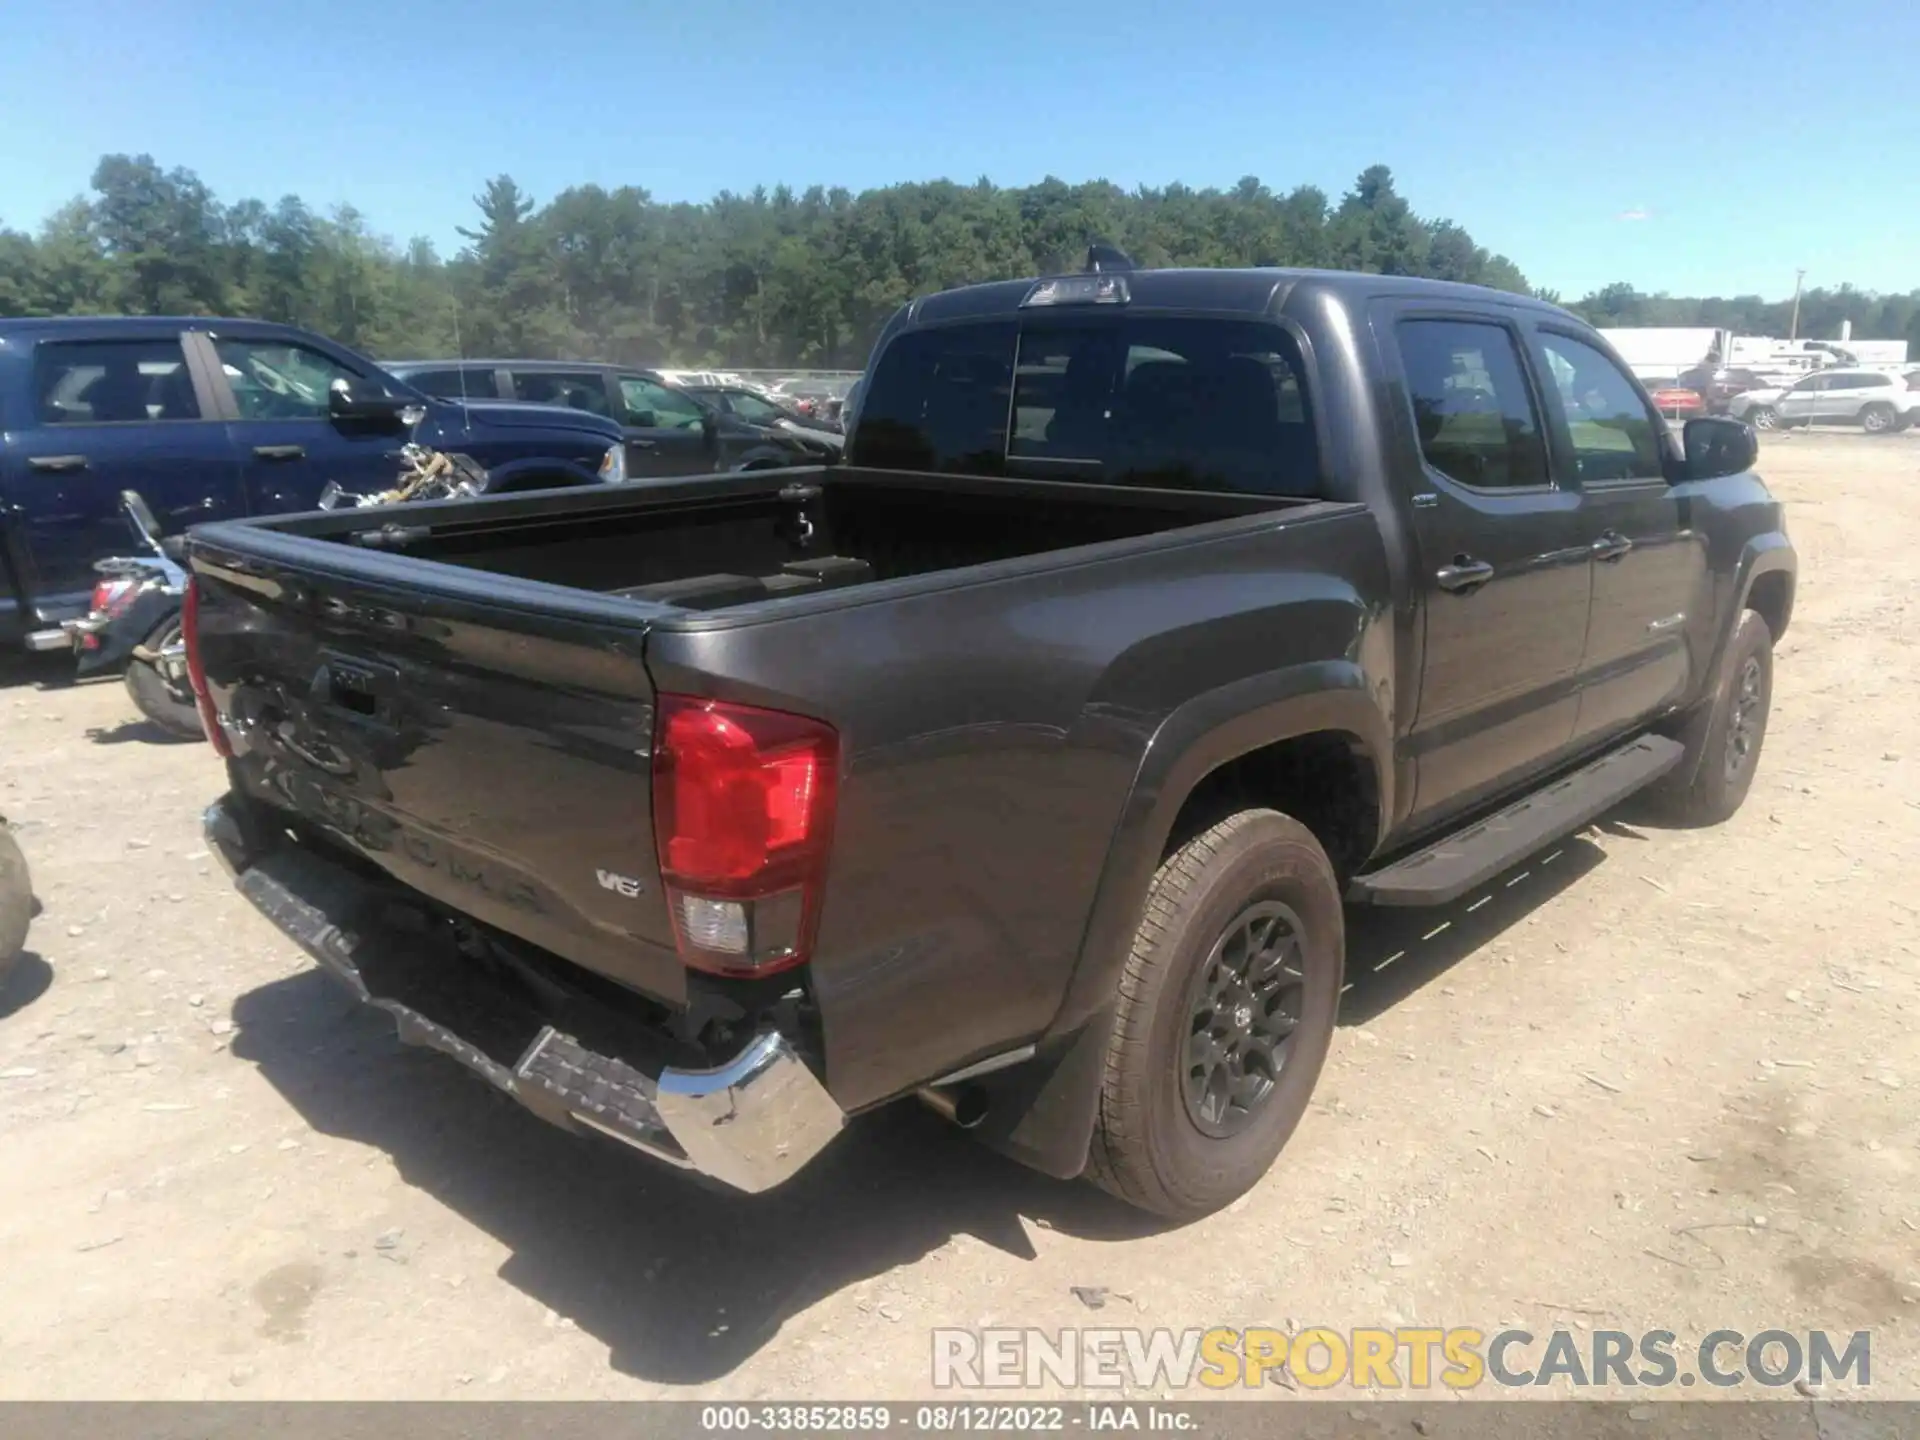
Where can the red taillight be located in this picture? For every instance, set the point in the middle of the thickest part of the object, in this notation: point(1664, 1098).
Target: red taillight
point(197, 670)
point(110, 597)
point(743, 804)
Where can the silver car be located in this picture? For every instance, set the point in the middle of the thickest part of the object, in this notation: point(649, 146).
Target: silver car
point(1876, 401)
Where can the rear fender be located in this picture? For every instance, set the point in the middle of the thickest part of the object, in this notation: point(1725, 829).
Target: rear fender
point(128, 629)
point(1043, 1112)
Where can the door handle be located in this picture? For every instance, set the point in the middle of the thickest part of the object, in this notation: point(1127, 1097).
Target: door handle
point(642, 444)
point(59, 463)
point(1464, 574)
point(280, 452)
point(1611, 546)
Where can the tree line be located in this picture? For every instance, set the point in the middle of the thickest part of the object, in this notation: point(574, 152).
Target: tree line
point(769, 278)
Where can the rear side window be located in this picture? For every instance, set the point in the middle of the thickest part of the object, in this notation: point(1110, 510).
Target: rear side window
point(1121, 400)
point(577, 390)
point(1867, 382)
point(1472, 410)
point(456, 384)
point(106, 382)
point(1608, 426)
point(938, 401)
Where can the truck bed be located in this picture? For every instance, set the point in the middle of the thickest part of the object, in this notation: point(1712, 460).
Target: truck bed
point(463, 697)
point(711, 544)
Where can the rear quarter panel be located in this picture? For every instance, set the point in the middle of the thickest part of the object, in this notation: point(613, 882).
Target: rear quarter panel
point(992, 734)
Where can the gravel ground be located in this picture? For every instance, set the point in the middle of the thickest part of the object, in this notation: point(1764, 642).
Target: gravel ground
point(1665, 1080)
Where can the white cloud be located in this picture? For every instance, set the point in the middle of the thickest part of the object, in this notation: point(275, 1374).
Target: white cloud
point(1638, 212)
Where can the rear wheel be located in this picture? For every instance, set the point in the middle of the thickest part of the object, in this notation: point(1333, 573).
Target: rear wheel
point(1878, 419)
point(1764, 417)
point(1225, 1015)
point(160, 687)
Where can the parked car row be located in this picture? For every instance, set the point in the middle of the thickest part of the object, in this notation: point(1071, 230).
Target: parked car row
point(212, 419)
point(217, 419)
point(669, 429)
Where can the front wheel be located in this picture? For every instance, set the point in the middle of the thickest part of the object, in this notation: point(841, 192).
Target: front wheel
point(1224, 1018)
point(1764, 417)
point(159, 685)
point(1878, 420)
point(1724, 739)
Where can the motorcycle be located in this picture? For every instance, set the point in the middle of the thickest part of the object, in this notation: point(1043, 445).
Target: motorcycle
point(134, 620)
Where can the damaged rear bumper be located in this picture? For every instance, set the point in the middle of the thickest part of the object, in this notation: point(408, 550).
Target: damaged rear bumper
point(751, 1124)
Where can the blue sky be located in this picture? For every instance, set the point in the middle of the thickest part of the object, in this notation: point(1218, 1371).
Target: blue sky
point(1680, 146)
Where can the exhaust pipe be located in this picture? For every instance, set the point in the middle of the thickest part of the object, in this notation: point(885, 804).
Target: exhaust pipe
point(961, 1105)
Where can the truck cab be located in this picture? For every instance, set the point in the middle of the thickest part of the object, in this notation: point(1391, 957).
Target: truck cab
point(217, 419)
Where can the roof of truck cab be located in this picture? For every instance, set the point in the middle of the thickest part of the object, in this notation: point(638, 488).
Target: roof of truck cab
point(1253, 291)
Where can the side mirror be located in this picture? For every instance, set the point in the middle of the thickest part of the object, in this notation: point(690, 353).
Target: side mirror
point(1716, 445)
point(141, 514)
point(367, 403)
point(644, 420)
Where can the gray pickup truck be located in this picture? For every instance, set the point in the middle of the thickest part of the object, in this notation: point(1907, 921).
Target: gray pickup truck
point(1026, 762)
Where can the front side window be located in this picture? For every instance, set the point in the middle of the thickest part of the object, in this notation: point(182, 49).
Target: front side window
point(106, 382)
point(1607, 424)
point(275, 380)
point(653, 406)
point(1472, 410)
point(1119, 400)
point(575, 389)
point(752, 408)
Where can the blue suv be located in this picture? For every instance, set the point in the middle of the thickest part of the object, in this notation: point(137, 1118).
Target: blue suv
point(217, 419)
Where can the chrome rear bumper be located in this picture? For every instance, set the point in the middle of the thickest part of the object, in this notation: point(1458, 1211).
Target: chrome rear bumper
point(752, 1123)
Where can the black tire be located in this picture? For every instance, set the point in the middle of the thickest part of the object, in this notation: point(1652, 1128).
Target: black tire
point(1725, 738)
point(1157, 1144)
point(169, 708)
point(1764, 417)
point(16, 901)
point(1879, 419)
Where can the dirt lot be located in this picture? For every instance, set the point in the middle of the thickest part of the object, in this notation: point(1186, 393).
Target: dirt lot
point(1665, 1080)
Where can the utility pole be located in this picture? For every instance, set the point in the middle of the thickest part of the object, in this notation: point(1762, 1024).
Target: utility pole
point(1793, 325)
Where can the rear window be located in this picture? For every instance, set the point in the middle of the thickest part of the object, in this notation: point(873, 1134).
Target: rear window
point(1129, 400)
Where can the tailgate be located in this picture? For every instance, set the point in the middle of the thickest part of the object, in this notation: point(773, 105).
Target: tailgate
point(463, 732)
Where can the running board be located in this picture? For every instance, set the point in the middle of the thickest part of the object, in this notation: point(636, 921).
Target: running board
point(1454, 864)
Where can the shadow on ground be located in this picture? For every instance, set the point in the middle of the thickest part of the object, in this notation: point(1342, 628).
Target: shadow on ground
point(144, 731)
point(682, 1283)
point(42, 669)
point(1393, 953)
point(23, 983)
